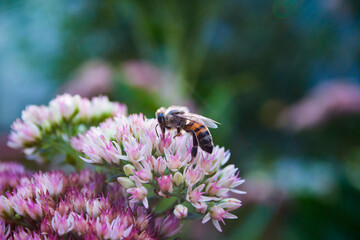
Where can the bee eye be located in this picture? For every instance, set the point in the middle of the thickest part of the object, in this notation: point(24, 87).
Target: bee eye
point(161, 118)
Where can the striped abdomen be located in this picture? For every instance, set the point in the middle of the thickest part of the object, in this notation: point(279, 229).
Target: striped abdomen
point(202, 134)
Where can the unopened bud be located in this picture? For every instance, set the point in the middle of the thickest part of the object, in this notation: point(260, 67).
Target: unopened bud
point(126, 182)
point(180, 211)
point(178, 179)
point(230, 203)
point(129, 169)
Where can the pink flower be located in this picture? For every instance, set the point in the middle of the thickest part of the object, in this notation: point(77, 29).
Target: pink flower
point(213, 190)
point(165, 184)
point(209, 162)
point(33, 210)
point(133, 149)
point(94, 207)
point(229, 179)
point(11, 167)
point(23, 134)
point(144, 171)
point(194, 196)
point(64, 106)
point(138, 193)
point(200, 207)
point(36, 114)
point(4, 230)
point(175, 161)
point(5, 207)
point(321, 104)
point(95, 75)
point(158, 164)
point(168, 227)
point(26, 234)
point(81, 225)
point(102, 227)
point(217, 214)
point(62, 224)
point(193, 175)
point(18, 204)
point(119, 229)
point(163, 142)
point(75, 201)
point(52, 183)
point(45, 226)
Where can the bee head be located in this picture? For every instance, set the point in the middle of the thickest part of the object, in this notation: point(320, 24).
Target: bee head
point(160, 116)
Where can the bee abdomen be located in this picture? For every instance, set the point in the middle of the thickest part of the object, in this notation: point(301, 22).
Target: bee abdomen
point(205, 141)
point(202, 134)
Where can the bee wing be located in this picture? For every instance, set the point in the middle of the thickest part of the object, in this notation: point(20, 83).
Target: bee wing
point(200, 119)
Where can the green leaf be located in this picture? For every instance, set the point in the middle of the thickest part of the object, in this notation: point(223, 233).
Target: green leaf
point(165, 204)
point(114, 178)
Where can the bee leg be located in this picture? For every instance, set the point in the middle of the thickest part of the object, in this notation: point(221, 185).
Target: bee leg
point(156, 130)
point(194, 149)
point(163, 131)
point(178, 128)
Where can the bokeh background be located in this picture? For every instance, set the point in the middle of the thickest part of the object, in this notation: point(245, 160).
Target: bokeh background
point(282, 76)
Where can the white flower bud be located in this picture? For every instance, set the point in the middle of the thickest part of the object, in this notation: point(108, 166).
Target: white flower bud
point(230, 203)
point(129, 169)
point(180, 211)
point(178, 179)
point(126, 182)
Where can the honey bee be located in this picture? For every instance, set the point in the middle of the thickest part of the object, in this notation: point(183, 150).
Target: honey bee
point(179, 118)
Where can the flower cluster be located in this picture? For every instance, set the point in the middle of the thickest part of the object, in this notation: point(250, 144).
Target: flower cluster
point(80, 205)
point(152, 166)
point(44, 131)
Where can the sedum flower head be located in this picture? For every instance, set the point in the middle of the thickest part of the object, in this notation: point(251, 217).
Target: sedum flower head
point(76, 210)
point(162, 166)
point(42, 129)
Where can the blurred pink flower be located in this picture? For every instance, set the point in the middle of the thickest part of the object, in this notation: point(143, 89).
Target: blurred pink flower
point(144, 74)
point(91, 79)
point(62, 224)
point(161, 80)
point(321, 104)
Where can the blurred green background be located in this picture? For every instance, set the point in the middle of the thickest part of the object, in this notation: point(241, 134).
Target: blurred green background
point(282, 76)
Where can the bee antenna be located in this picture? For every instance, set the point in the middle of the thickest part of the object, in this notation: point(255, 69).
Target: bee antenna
point(156, 130)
